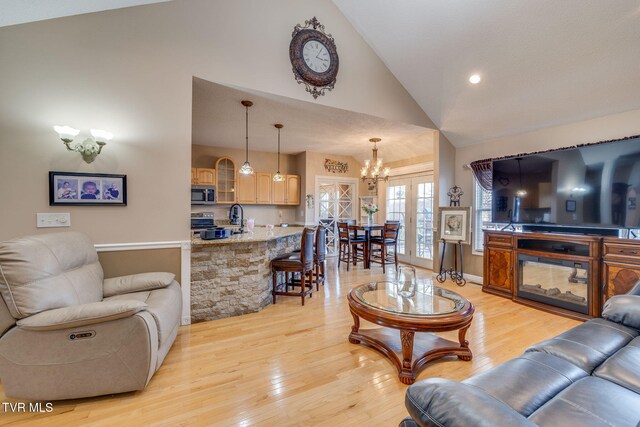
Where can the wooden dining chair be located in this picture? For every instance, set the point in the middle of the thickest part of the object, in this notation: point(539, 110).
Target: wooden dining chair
point(379, 252)
point(351, 247)
point(301, 262)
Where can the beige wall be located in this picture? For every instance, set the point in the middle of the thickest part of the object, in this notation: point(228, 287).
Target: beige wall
point(130, 71)
point(122, 263)
point(604, 128)
point(204, 156)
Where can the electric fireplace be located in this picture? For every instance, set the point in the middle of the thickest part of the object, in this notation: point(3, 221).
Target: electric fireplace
point(559, 282)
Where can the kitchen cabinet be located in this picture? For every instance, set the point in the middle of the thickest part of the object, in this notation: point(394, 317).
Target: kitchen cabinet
point(246, 189)
point(286, 192)
point(279, 192)
point(293, 190)
point(226, 180)
point(263, 188)
point(203, 176)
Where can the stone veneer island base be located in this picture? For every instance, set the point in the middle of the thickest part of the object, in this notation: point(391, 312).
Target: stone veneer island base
point(230, 277)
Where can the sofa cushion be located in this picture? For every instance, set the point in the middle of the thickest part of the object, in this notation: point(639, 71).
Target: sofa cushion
point(49, 271)
point(623, 368)
point(136, 282)
point(439, 402)
point(529, 381)
point(591, 401)
point(81, 315)
point(624, 309)
point(161, 303)
point(589, 344)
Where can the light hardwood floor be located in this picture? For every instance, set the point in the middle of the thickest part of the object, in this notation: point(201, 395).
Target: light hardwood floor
point(292, 365)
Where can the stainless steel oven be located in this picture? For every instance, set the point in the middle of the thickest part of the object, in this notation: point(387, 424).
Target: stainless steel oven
point(201, 221)
point(203, 195)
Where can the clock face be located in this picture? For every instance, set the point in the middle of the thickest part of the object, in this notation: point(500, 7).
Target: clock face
point(316, 56)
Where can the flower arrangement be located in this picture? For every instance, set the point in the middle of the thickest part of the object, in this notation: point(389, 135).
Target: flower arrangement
point(370, 208)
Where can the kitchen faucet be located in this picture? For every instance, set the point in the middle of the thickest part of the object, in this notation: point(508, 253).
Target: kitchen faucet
point(233, 217)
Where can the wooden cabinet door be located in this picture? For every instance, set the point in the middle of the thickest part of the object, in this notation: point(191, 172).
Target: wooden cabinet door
point(194, 176)
point(293, 190)
point(279, 192)
point(619, 278)
point(498, 270)
point(246, 191)
point(206, 176)
point(263, 188)
point(225, 180)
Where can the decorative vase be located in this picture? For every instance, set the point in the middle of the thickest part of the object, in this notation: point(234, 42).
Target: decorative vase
point(370, 219)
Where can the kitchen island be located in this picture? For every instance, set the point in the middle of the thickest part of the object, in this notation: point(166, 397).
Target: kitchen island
point(232, 276)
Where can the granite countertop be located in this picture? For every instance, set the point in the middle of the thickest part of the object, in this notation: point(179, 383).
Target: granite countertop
point(260, 234)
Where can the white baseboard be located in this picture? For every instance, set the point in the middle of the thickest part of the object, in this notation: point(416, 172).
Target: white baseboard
point(185, 265)
point(469, 277)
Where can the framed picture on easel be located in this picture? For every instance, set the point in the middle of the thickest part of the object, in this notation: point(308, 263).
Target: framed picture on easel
point(455, 224)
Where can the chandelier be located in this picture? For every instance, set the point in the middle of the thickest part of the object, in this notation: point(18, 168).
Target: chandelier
point(372, 171)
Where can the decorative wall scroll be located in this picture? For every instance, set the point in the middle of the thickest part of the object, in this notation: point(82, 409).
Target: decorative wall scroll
point(335, 166)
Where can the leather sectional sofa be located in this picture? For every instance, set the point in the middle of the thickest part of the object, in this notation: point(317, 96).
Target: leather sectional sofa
point(587, 376)
point(65, 332)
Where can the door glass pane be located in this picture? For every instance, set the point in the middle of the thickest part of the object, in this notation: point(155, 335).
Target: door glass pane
point(424, 221)
point(396, 201)
point(335, 203)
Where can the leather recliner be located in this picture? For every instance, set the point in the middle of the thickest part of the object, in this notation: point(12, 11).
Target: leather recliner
point(65, 332)
point(587, 376)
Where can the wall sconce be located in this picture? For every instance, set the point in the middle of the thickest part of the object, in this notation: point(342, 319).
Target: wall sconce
point(309, 198)
point(90, 147)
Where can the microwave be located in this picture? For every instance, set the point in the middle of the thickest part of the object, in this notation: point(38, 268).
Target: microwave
point(203, 195)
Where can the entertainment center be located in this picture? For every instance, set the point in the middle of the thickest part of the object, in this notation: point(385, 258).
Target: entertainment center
point(565, 232)
point(572, 275)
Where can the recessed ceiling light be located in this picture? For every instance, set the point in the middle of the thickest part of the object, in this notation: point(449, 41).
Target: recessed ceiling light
point(475, 79)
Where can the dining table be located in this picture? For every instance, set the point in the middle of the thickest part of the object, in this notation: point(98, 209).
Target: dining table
point(367, 229)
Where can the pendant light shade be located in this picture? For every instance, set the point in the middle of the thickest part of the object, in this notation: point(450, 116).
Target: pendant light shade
point(278, 177)
point(246, 168)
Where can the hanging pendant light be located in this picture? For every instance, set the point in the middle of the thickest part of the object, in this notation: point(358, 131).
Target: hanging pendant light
point(246, 168)
point(521, 192)
point(278, 177)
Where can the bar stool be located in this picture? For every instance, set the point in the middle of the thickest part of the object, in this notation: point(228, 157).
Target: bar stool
point(388, 239)
point(301, 262)
point(319, 257)
point(350, 245)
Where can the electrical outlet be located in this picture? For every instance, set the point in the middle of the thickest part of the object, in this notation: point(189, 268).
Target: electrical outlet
point(48, 220)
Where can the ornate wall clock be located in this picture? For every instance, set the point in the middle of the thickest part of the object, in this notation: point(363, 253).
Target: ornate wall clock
point(314, 57)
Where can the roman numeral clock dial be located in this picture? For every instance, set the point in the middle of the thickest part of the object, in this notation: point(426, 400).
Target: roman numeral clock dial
point(314, 57)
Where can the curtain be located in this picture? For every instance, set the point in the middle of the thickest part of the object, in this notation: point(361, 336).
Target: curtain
point(483, 173)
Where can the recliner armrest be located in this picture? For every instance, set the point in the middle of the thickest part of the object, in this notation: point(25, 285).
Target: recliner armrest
point(81, 315)
point(136, 283)
point(623, 309)
point(440, 402)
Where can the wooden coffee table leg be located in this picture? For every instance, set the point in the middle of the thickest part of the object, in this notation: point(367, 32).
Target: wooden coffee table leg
point(464, 343)
point(407, 376)
point(354, 329)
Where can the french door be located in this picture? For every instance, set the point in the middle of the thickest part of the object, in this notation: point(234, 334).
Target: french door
point(337, 201)
point(410, 201)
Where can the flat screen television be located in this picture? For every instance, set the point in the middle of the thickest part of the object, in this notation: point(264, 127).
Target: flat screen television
point(590, 186)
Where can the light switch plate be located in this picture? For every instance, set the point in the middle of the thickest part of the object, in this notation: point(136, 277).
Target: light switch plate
point(47, 220)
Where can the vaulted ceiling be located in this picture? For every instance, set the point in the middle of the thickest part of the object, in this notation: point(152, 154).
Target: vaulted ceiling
point(542, 62)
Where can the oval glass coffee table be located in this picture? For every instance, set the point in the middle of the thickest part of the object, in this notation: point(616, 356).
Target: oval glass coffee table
point(431, 309)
